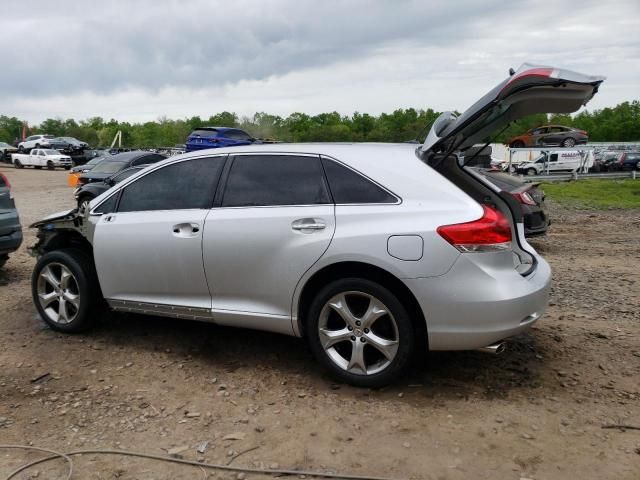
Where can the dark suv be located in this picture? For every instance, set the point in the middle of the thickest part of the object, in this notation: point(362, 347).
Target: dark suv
point(216, 137)
point(10, 228)
point(630, 160)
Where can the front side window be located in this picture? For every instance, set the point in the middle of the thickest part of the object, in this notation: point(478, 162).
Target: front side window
point(179, 186)
point(267, 180)
point(348, 186)
point(539, 131)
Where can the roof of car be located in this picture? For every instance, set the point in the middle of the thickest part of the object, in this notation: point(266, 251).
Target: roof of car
point(129, 156)
point(222, 129)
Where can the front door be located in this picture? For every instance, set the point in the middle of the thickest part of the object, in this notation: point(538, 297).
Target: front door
point(150, 248)
point(274, 221)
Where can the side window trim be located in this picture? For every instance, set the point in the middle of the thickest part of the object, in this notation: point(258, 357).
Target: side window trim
point(357, 172)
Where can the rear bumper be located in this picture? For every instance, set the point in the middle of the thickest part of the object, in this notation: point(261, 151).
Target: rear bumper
point(10, 235)
point(473, 306)
point(536, 221)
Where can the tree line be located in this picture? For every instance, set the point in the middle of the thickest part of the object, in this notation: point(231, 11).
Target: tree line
point(619, 123)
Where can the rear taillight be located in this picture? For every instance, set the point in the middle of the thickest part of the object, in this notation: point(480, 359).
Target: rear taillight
point(6, 180)
point(8, 184)
point(524, 198)
point(490, 233)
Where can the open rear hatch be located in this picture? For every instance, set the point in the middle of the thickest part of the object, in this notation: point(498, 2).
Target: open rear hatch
point(531, 89)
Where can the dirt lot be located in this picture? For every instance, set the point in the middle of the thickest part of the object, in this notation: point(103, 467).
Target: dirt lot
point(154, 384)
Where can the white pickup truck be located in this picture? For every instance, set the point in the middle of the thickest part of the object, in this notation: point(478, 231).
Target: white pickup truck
point(42, 157)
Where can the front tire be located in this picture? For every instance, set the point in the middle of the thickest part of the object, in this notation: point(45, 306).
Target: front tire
point(360, 332)
point(65, 290)
point(517, 144)
point(83, 203)
point(50, 165)
point(17, 164)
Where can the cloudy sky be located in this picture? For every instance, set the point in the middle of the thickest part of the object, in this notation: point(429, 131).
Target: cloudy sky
point(137, 60)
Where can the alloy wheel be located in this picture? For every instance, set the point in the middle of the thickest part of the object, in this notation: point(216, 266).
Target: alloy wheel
point(358, 333)
point(58, 293)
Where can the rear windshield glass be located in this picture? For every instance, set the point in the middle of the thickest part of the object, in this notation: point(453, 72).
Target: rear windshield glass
point(108, 167)
point(204, 133)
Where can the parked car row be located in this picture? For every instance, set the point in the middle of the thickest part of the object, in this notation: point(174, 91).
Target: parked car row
point(64, 144)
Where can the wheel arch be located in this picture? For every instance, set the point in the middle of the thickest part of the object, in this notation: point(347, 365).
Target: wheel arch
point(346, 269)
point(65, 239)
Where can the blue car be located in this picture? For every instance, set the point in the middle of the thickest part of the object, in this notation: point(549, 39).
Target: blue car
point(217, 137)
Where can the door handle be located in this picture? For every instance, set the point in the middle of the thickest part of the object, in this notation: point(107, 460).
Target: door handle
point(308, 225)
point(186, 229)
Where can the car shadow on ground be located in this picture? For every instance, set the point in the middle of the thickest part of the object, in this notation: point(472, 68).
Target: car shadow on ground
point(226, 349)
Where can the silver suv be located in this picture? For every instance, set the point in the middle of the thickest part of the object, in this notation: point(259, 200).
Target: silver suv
point(369, 251)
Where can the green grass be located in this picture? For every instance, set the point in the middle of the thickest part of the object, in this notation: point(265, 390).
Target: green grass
point(599, 194)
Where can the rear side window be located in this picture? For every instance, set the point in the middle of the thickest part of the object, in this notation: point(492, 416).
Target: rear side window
point(348, 186)
point(185, 185)
point(264, 180)
point(204, 133)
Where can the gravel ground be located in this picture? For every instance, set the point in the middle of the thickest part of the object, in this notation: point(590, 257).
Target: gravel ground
point(158, 385)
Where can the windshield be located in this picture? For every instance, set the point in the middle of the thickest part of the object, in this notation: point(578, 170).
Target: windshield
point(126, 174)
point(108, 167)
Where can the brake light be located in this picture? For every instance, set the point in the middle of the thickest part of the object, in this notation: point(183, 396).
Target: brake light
point(525, 198)
point(490, 233)
point(6, 181)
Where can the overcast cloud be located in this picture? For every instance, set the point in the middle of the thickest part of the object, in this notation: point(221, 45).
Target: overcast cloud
point(139, 60)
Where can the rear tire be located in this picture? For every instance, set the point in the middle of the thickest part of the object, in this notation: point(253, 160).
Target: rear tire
point(17, 164)
point(65, 290)
point(370, 343)
point(21, 149)
point(50, 165)
point(568, 142)
point(517, 144)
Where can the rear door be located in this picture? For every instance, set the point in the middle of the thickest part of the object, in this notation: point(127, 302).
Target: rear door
point(554, 136)
point(275, 219)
